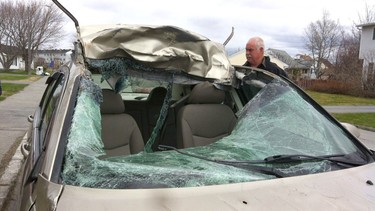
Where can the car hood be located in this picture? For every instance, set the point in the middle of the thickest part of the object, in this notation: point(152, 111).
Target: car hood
point(162, 47)
point(348, 189)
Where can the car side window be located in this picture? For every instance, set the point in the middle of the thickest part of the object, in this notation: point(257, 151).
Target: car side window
point(49, 103)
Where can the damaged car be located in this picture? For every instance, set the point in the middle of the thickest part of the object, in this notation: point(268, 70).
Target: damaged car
point(156, 118)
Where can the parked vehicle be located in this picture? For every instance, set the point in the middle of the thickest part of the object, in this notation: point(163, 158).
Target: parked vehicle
point(156, 118)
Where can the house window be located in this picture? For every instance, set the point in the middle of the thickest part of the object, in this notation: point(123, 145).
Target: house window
point(14, 62)
point(373, 35)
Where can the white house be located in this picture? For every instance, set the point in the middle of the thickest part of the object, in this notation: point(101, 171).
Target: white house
point(367, 50)
point(17, 63)
point(52, 58)
point(239, 58)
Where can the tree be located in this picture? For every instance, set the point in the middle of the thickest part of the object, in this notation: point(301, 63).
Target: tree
point(7, 52)
point(32, 24)
point(348, 66)
point(368, 16)
point(322, 37)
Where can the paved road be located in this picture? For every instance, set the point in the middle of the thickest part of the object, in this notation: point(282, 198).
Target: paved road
point(350, 109)
point(367, 138)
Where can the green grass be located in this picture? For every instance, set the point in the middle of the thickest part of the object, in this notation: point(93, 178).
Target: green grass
point(13, 77)
point(17, 72)
point(337, 99)
point(359, 119)
point(10, 89)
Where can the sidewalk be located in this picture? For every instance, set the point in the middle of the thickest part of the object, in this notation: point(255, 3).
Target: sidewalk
point(14, 111)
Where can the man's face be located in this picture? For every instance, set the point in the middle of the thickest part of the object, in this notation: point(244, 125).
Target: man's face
point(254, 55)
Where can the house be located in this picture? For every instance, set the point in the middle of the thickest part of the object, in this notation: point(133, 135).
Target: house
point(52, 58)
point(367, 51)
point(239, 58)
point(17, 61)
point(297, 68)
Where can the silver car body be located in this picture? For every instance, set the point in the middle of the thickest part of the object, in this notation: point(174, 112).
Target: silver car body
point(345, 189)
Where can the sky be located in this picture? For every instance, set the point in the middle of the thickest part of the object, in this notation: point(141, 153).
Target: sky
point(281, 23)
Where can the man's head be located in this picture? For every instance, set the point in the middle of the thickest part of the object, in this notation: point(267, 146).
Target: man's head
point(255, 51)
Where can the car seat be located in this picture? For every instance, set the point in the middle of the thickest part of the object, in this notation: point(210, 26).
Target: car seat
point(204, 119)
point(120, 132)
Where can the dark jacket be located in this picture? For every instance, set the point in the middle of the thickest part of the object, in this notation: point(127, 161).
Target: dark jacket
point(270, 66)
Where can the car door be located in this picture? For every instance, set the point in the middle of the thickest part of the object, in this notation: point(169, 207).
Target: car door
point(33, 149)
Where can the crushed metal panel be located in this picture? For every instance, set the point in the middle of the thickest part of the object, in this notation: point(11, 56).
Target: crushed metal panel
point(165, 47)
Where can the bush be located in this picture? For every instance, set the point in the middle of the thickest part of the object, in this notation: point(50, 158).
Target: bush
point(335, 87)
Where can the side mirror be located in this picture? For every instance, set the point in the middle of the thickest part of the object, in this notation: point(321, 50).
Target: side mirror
point(352, 129)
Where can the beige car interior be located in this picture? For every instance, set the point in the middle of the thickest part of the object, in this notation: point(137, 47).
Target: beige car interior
point(198, 118)
point(204, 119)
point(120, 132)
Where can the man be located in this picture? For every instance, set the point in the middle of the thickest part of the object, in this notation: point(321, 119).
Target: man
point(255, 57)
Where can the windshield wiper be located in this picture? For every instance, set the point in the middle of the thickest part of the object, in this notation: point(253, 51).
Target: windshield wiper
point(301, 157)
point(244, 165)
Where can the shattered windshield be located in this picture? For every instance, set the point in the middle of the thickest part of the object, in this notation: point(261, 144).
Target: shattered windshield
point(276, 121)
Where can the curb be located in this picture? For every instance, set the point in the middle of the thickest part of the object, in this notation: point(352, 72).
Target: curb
point(8, 179)
point(365, 128)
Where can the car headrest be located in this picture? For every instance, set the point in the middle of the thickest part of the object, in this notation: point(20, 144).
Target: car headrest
point(206, 93)
point(157, 95)
point(112, 103)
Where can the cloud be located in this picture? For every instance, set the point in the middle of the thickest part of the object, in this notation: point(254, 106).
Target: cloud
point(280, 23)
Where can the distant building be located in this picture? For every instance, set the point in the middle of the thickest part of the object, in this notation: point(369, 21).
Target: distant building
point(52, 58)
point(17, 62)
point(297, 69)
point(367, 51)
point(239, 58)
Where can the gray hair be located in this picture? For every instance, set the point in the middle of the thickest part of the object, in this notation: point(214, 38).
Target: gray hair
point(258, 42)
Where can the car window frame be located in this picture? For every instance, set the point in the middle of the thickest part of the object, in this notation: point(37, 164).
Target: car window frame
point(38, 141)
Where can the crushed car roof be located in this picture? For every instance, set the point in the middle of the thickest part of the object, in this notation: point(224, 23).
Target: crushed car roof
point(163, 47)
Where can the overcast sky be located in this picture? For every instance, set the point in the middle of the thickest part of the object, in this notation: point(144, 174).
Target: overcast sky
point(281, 23)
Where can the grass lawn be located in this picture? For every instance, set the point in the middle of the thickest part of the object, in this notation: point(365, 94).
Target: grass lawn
point(336, 99)
point(13, 77)
point(10, 89)
point(360, 119)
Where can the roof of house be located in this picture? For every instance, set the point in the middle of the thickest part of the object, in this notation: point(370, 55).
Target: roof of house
point(287, 59)
point(366, 24)
point(239, 58)
point(54, 51)
point(9, 49)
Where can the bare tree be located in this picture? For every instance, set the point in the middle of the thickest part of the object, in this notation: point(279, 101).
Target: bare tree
point(34, 24)
point(348, 66)
point(322, 37)
point(368, 16)
point(8, 52)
